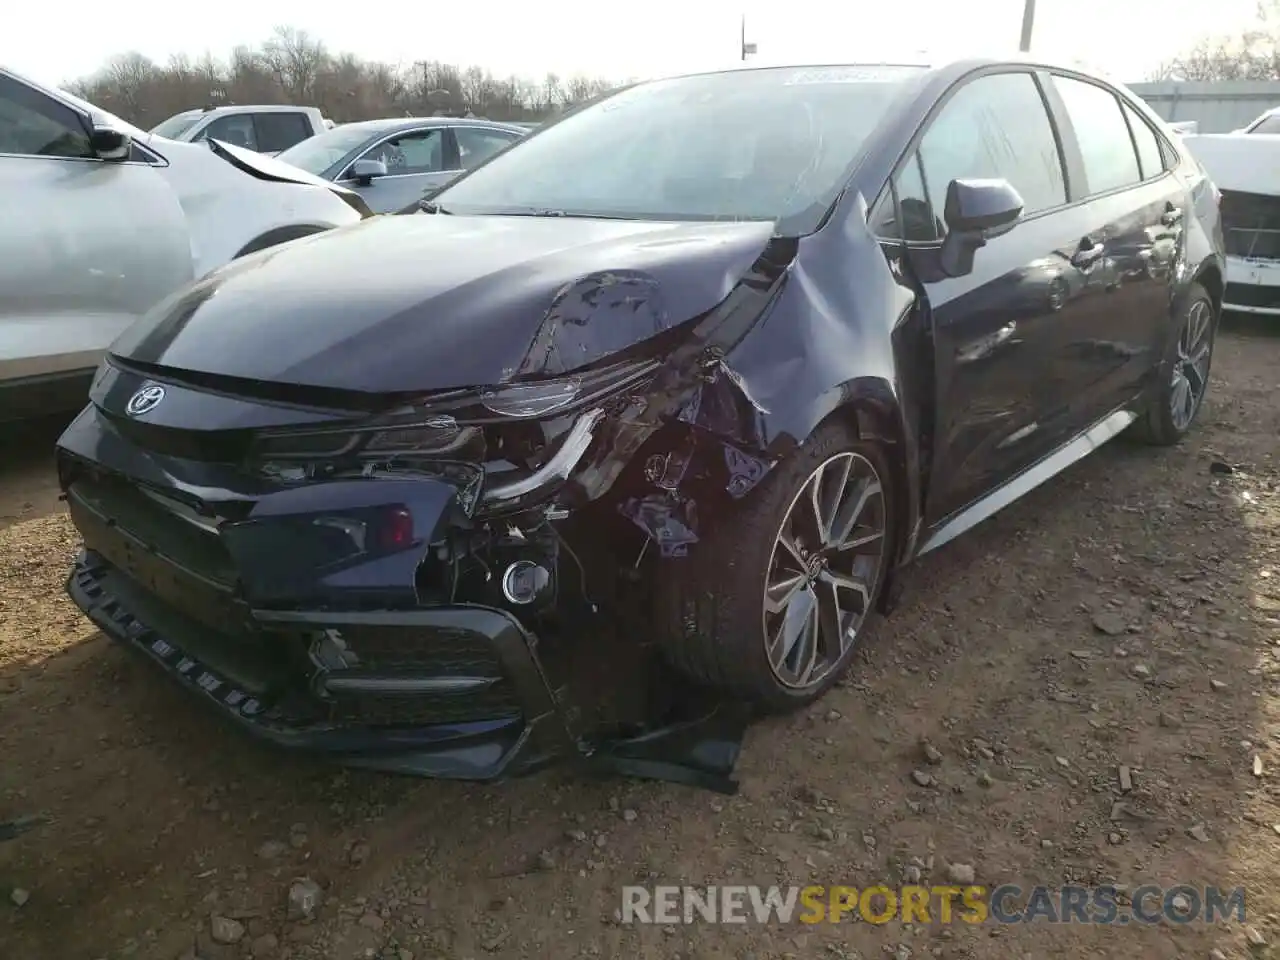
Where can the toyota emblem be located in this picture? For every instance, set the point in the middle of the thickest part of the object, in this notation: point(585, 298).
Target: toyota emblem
point(145, 400)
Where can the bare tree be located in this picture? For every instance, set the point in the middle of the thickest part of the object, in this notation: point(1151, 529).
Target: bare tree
point(294, 67)
point(1253, 54)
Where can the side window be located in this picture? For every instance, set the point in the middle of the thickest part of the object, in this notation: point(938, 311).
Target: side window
point(1103, 136)
point(1147, 142)
point(421, 151)
point(476, 145)
point(918, 221)
point(35, 125)
point(235, 129)
point(280, 131)
point(995, 126)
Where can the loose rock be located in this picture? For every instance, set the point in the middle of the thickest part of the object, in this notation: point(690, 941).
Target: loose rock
point(1126, 780)
point(1199, 832)
point(225, 930)
point(1217, 685)
point(961, 873)
point(19, 897)
point(1255, 938)
point(359, 853)
point(1111, 624)
point(264, 945)
point(921, 778)
point(932, 753)
point(304, 899)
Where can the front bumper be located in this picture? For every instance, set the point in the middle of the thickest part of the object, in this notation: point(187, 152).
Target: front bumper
point(1253, 286)
point(346, 660)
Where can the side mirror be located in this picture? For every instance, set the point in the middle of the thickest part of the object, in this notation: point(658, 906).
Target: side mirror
point(976, 211)
point(108, 143)
point(364, 172)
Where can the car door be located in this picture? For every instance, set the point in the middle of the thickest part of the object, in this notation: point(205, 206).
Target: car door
point(417, 160)
point(87, 246)
point(1131, 213)
point(1002, 399)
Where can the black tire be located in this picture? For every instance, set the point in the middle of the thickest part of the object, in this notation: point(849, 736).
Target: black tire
point(1159, 426)
point(711, 617)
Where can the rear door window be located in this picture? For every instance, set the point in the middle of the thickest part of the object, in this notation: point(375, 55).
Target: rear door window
point(235, 129)
point(1150, 156)
point(279, 130)
point(1110, 160)
point(476, 144)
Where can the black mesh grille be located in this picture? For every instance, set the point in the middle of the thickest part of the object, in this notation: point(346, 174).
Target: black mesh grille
point(1251, 225)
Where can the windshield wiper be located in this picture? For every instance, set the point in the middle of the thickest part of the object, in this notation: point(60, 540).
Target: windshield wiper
point(430, 206)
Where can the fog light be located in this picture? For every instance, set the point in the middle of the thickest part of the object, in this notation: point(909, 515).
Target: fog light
point(523, 581)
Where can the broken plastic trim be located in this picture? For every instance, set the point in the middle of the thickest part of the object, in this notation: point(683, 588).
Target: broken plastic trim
point(554, 471)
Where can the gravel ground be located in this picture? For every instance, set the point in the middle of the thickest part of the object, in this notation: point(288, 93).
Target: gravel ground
point(1126, 614)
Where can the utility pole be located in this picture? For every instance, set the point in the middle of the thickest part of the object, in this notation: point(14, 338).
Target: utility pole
point(746, 47)
point(1028, 21)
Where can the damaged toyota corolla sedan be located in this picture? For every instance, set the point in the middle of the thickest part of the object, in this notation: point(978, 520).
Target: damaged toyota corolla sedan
point(628, 434)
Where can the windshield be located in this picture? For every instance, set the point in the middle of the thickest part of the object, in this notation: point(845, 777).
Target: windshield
point(1269, 124)
point(176, 125)
point(763, 144)
point(317, 154)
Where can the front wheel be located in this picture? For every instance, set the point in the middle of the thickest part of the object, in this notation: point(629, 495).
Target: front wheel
point(1184, 374)
point(773, 603)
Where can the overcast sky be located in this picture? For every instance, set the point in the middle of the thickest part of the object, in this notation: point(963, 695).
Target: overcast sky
point(1126, 38)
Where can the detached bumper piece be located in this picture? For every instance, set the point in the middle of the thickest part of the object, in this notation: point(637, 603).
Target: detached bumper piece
point(496, 726)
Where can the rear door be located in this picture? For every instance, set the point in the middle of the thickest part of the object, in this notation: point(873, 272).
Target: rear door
point(478, 144)
point(1132, 213)
point(87, 245)
point(279, 130)
point(1001, 398)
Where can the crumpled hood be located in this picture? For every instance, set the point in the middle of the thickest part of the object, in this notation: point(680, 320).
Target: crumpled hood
point(432, 302)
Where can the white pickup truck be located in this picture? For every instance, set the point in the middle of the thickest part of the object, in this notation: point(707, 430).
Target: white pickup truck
point(264, 128)
point(1245, 166)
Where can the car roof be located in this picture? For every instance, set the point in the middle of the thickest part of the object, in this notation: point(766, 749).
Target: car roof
point(949, 67)
point(391, 124)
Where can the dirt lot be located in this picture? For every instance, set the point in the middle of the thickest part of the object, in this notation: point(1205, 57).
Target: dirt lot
point(1128, 613)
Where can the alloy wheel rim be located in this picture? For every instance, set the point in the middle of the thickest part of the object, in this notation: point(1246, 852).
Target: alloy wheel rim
point(823, 570)
point(1191, 368)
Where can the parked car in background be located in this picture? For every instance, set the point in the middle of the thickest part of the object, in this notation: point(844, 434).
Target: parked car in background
point(1246, 169)
point(652, 409)
point(266, 128)
point(1268, 123)
point(391, 163)
point(102, 220)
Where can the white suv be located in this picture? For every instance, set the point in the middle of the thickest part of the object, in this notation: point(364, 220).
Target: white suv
point(99, 221)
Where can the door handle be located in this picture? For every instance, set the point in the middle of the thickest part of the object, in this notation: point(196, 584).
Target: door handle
point(1088, 253)
point(1172, 215)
